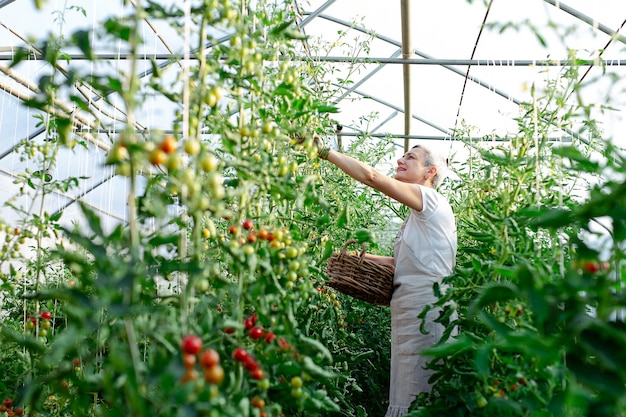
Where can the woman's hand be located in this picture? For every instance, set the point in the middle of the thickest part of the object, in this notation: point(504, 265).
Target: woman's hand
point(316, 142)
point(322, 148)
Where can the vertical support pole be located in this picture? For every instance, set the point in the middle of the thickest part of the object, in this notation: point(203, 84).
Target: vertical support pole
point(407, 52)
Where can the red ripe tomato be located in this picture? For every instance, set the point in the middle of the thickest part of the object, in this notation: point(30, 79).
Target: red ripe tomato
point(209, 358)
point(240, 355)
point(233, 230)
point(18, 411)
point(191, 344)
point(8, 402)
point(247, 224)
point(250, 322)
point(263, 234)
point(270, 337)
point(256, 333)
point(250, 364)
point(229, 330)
point(591, 267)
point(46, 315)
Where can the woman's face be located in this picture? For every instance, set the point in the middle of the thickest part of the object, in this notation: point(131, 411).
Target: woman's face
point(411, 167)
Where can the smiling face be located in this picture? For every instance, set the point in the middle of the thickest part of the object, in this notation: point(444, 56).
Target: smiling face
point(411, 168)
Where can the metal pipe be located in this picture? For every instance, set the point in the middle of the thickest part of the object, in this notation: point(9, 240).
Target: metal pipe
point(5, 3)
point(590, 21)
point(316, 12)
point(440, 137)
point(384, 122)
point(364, 79)
point(407, 53)
point(399, 109)
point(501, 63)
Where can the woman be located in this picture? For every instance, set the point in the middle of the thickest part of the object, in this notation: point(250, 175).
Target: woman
point(424, 253)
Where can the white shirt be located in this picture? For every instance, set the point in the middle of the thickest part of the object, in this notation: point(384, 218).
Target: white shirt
point(427, 241)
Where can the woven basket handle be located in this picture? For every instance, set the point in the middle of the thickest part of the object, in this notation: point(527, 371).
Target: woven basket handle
point(350, 242)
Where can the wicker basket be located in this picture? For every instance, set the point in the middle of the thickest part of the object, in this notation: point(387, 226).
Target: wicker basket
point(360, 278)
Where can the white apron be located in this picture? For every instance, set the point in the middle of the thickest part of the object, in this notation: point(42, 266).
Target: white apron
point(424, 253)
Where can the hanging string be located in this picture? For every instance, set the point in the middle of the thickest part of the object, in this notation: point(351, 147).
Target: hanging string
point(186, 58)
point(458, 111)
point(537, 156)
point(602, 50)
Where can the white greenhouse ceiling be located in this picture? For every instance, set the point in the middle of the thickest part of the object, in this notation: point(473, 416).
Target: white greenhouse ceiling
point(426, 68)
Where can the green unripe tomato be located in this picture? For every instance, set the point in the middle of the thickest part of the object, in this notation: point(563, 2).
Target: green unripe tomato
point(296, 392)
point(263, 384)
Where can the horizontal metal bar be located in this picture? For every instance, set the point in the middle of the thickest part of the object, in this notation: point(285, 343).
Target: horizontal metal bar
point(446, 138)
point(379, 60)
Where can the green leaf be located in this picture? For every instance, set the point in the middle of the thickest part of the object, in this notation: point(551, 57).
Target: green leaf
point(63, 344)
point(283, 90)
point(494, 324)
point(575, 155)
point(594, 376)
point(83, 42)
point(318, 347)
point(482, 360)
point(328, 250)
point(293, 34)
point(117, 29)
point(342, 220)
point(281, 27)
point(320, 401)
point(327, 109)
point(461, 344)
point(30, 343)
point(92, 219)
point(607, 344)
point(492, 293)
point(504, 271)
point(365, 236)
point(115, 84)
point(315, 370)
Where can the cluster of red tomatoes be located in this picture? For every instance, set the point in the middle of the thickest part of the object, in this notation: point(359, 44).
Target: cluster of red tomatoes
point(44, 323)
point(256, 332)
point(9, 410)
point(209, 360)
point(278, 239)
point(249, 363)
